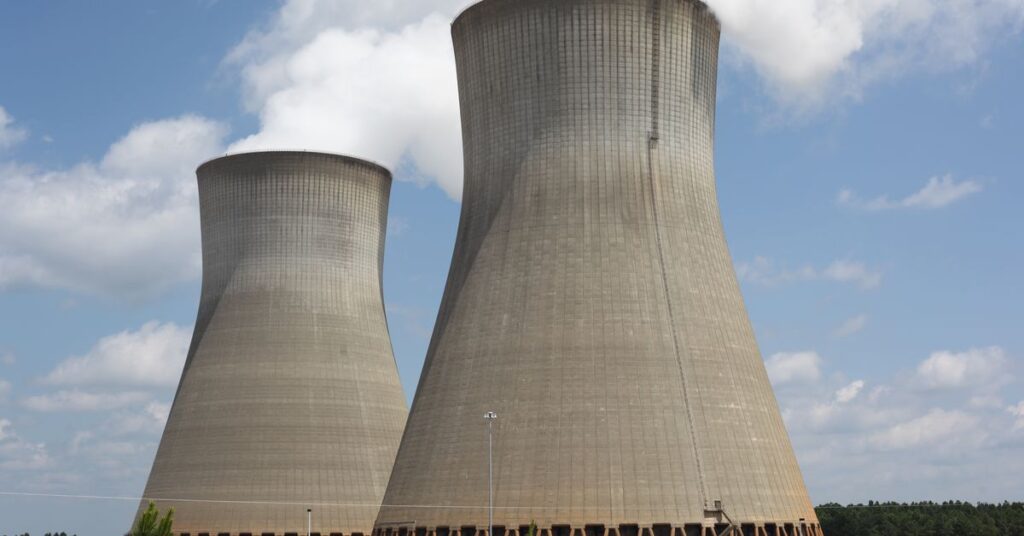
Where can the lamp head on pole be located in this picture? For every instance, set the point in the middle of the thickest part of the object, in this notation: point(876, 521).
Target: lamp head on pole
point(490, 415)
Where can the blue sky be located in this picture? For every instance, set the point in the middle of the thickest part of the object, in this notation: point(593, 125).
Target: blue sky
point(869, 161)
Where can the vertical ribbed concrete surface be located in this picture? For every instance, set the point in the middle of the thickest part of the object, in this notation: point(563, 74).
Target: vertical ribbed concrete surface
point(592, 301)
point(290, 395)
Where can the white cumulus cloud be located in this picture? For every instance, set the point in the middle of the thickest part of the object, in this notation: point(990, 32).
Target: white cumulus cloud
point(9, 133)
point(386, 95)
point(939, 192)
point(812, 51)
point(794, 367)
point(127, 226)
point(977, 367)
point(153, 355)
point(299, 21)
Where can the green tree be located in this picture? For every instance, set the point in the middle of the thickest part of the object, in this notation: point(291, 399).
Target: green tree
point(150, 524)
point(950, 518)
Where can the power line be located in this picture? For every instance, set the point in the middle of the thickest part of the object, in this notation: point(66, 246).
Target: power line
point(433, 506)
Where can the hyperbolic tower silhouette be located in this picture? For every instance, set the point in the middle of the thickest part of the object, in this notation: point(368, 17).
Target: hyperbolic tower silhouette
point(592, 301)
point(290, 396)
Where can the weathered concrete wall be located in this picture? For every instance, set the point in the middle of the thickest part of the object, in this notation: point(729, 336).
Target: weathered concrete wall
point(290, 396)
point(592, 301)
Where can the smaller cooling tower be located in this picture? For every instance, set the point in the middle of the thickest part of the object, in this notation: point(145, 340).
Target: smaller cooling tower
point(290, 397)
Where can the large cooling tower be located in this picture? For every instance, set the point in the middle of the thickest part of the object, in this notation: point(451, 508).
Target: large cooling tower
point(592, 301)
point(290, 396)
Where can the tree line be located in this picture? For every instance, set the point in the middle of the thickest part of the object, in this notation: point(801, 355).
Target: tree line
point(951, 518)
point(149, 524)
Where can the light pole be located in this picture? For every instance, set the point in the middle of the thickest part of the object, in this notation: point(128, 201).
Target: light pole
point(309, 521)
point(489, 417)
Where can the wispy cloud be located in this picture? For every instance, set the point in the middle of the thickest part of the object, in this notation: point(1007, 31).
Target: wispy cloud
point(851, 326)
point(149, 419)
point(17, 454)
point(765, 271)
point(846, 271)
point(850, 392)
point(937, 425)
point(415, 320)
point(153, 355)
point(794, 367)
point(76, 400)
point(397, 226)
point(938, 193)
point(10, 134)
point(1018, 412)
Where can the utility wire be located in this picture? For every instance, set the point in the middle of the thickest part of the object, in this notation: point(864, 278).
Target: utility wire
point(431, 506)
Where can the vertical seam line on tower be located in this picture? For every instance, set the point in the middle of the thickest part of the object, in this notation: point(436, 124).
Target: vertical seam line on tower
point(652, 144)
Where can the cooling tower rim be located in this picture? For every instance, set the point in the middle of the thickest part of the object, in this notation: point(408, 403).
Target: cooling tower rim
point(240, 155)
point(479, 4)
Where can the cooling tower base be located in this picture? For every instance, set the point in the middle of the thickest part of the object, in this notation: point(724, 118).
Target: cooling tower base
point(695, 529)
point(300, 533)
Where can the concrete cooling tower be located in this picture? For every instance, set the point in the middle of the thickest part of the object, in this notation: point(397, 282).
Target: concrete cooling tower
point(592, 302)
point(290, 396)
